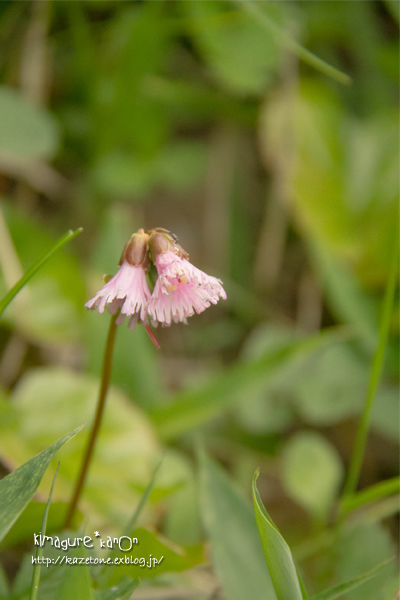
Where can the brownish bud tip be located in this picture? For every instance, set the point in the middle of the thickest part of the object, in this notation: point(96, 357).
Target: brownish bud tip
point(136, 250)
point(159, 243)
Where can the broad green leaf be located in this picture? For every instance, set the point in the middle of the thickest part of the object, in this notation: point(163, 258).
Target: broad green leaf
point(277, 553)
point(17, 488)
point(5, 301)
point(312, 472)
point(126, 453)
point(39, 549)
point(26, 131)
point(338, 590)
point(235, 545)
point(75, 583)
point(121, 591)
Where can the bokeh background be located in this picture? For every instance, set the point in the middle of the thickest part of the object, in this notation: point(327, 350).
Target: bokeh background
point(277, 176)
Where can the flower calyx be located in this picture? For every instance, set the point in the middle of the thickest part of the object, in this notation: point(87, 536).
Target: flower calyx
point(136, 251)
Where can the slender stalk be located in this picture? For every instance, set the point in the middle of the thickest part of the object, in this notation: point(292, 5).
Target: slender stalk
point(375, 376)
point(105, 380)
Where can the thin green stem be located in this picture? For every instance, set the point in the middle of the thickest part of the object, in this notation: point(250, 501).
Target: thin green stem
point(375, 376)
point(105, 380)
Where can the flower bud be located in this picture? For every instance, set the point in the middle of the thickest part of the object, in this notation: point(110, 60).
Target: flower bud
point(135, 252)
point(159, 243)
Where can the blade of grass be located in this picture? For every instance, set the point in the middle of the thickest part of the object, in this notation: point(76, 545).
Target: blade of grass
point(285, 41)
point(40, 549)
point(343, 588)
point(5, 301)
point(375, 376)
point(379, 490)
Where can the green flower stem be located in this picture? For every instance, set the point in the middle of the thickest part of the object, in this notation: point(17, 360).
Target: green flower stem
point(105, 380)
point(375, 376)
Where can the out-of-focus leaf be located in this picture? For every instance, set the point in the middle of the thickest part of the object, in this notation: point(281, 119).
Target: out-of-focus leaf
point(394, 9)
point(122, 591)
point(125, 455)
point(17, 488)
point(5, 301)
point(193, 407)
point(29, 522)
point(235, 545)
point(242, 56)
point(177, 166)
point(342, 588)
point(385, 416)
point(276, 551)
point(172, 558)
point(323, 397)
point(283, 40)
point(345, 296)
point(75, 583)
point(312, 472)
point(360, 549)
point(4, 589)
point(26, 131)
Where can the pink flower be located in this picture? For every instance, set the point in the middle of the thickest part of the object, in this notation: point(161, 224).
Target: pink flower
point(181, 289)
point(127, 290)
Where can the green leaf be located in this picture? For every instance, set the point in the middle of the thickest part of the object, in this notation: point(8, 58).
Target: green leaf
point(75, 583)
point(39, 550)
point(286, 42)
point(239, 53)
point(5, 301)
point(339, 590)
point(4, 589)
point(127, 452)
point(312, 472)
point(193, 407)
point(276, 551)
point(130, 527)
point(172, 558)
point(26, 131)
point(17, 488)
point(359, 549)
point(121, 591)
point(235, 545)
point(30, 520)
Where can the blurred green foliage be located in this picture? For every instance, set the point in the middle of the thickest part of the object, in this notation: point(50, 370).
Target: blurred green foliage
point(197, 117)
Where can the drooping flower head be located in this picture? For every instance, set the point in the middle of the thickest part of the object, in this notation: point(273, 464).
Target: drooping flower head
point(128, 289)
point(181, 290)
